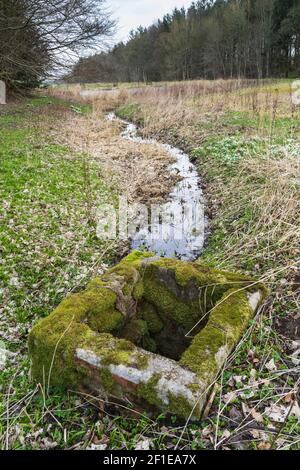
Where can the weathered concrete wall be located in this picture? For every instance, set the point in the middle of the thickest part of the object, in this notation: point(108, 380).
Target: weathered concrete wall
point(120, 336)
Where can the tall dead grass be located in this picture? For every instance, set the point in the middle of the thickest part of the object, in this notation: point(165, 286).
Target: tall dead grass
point(189, 113)
point(139, 171)
point(259, 202)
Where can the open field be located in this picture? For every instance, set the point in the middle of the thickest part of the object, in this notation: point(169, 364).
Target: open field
point(60, 158)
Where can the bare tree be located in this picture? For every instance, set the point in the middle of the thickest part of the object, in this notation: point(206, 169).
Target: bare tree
point(39, 35)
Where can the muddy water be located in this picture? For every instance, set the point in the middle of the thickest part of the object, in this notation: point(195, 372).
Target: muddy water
point(175, 229)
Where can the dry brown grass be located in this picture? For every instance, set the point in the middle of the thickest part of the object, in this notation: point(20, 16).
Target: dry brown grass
point(188, 114)
point(179, 108)
point(139, 171)
point(265, 184)
point(269, 238)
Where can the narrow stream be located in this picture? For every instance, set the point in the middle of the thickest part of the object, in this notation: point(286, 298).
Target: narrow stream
point(175, 229)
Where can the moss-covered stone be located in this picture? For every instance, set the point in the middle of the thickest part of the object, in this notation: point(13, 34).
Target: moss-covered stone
point(149, 314)
point(103, 338)
point(227, 322)
point(148, 391)
point(107, 380)
point(135, 330)
point(180, 405)
point(184, 291)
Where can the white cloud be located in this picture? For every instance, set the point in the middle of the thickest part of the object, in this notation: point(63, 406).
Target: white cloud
point(133, 13)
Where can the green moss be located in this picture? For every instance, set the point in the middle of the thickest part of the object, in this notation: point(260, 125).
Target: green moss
point(115, 357)
point(125, 345)
point(179, 405)
point(138, 290)
point(137, 256)
point(126, 278)
point(107, 380)
point(125, 274)
point(110, 321)
point(101, 314)
point(52, 348)
point(226, 323)
point(141, 361)
point(184, 312)
point(119, 351)
point(148, 391)
point(200, 356)
point(193, 387)
point(135, 330)
point(149, 314)
point(186, 272)
point(95, 283)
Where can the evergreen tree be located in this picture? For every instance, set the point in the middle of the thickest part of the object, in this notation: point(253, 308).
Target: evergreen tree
point(212, 39)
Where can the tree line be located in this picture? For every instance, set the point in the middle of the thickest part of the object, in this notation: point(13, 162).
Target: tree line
point(210, 39)
point(38, 37)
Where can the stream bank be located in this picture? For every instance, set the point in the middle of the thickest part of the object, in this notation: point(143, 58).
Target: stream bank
point(175, 229)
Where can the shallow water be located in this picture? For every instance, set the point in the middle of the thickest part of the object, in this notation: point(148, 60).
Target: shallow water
point(175, 229)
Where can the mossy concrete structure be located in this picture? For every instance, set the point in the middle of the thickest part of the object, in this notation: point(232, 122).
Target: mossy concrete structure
point(151, 332)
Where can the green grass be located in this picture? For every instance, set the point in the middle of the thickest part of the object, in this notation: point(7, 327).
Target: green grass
point(46, 194)
point(49, 195)
point(42, 101)
point(130, 112)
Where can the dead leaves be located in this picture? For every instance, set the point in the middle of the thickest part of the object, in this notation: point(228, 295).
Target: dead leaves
point(271, 366)
point(264, 446)
point(245, 387)
point(279, 413)
point(256, 416)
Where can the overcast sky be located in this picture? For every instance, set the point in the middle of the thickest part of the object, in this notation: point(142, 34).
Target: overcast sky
point(133, 13)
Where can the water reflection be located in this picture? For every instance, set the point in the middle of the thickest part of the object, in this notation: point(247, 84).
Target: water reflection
point(176, 229)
